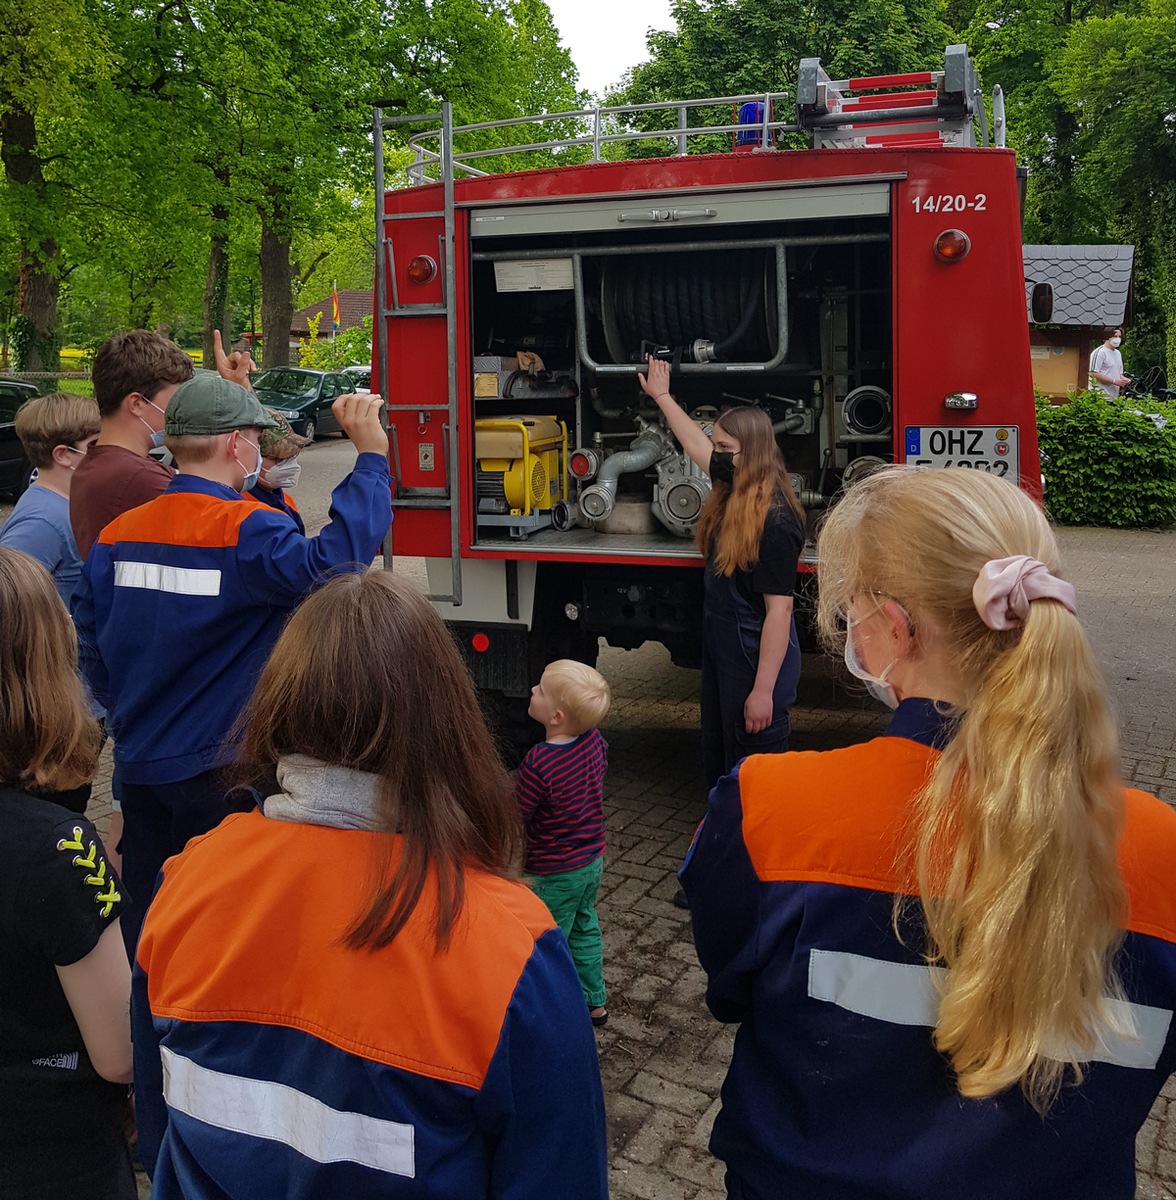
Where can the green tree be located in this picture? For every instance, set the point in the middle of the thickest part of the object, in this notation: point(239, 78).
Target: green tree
point(1117, 78)
point(53, 58)
point(726, 47)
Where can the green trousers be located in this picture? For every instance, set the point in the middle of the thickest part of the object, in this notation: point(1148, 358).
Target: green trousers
point(571, 897)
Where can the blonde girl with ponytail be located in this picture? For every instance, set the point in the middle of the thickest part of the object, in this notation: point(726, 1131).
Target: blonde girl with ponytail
point(960, 937)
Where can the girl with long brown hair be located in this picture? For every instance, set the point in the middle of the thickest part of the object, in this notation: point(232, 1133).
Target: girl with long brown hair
point(65, 987)
point(751, 531)
point(951, 950)
point(348, 991)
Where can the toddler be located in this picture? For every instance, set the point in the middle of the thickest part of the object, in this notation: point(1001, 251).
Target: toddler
point(560, 792)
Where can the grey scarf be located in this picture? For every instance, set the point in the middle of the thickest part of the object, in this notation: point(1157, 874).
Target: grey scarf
point(316, 793)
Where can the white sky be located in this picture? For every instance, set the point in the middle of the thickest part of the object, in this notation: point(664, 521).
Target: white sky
point(606, 37)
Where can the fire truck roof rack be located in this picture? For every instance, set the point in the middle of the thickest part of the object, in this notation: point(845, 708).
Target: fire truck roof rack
point(942, 110)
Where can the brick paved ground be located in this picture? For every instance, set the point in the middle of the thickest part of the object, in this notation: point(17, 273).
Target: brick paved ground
point(663, 1058)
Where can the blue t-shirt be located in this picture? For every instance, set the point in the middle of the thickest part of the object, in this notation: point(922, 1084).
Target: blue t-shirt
point(39, 526)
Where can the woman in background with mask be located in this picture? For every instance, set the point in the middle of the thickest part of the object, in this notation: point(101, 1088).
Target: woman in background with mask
point(951, 951)
point(751, 532)
point(280, 468)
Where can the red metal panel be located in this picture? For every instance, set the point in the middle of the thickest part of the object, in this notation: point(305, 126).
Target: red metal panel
point(422, 532)
point(961, 326)
point(902, 100)
point(866, 82)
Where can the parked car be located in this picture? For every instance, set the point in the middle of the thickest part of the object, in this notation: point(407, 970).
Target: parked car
point(360, 376)
point(304, 397)
point(15, 469)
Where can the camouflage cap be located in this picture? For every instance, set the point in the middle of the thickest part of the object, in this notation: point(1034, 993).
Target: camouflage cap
point(281, 441)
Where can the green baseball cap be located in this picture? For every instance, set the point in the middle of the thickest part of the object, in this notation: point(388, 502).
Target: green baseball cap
point(207, 405)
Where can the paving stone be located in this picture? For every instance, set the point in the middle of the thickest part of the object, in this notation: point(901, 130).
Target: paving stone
point(629, 1179)
point(665, 1093)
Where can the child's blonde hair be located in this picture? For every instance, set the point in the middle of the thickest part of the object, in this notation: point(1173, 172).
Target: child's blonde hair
point(580, 691)
point(1016, 832)
point(59, 419)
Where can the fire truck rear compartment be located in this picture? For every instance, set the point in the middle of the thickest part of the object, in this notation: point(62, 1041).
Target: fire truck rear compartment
point(793, 317)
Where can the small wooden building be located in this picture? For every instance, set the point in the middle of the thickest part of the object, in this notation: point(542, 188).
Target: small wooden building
point(1091, 290)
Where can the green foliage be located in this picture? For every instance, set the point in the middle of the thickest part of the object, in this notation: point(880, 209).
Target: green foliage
point(1117, 76)
point(1105, 464)
point(163, 123)
point(310, 349)
point(729, 47)
point(352, 347)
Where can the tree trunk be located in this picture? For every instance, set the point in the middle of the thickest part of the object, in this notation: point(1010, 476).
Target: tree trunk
point(216, 285)
point(277, 293)
point(34, 334)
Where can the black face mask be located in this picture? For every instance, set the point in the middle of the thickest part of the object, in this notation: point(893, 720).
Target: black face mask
point(722, 466)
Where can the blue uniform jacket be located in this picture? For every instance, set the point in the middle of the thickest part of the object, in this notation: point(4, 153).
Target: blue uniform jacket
point(835, 1089)
point(183, 598)
point(270, 1060)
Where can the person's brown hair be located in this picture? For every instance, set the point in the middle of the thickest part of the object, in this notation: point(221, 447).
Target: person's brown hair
point(137, 361)
point(733, 517)
point(48, 739)
point(366, 675)
point(59, 419)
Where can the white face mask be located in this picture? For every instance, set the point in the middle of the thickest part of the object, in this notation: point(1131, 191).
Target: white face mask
point(156, 434)
point(284, 474)
point(1116, 342)
point(876, 685)
point(251, 477)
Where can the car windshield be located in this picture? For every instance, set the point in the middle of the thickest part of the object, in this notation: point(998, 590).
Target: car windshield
point(287, 382)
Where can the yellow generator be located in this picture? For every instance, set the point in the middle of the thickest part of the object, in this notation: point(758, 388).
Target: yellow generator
point(522, 465)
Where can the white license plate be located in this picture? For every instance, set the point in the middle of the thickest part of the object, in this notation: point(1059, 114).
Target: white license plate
point(991, 448)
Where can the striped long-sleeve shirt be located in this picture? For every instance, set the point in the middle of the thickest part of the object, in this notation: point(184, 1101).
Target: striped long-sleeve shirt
point(560, 792)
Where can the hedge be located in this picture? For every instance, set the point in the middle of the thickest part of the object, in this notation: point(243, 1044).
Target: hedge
point(1108, 462)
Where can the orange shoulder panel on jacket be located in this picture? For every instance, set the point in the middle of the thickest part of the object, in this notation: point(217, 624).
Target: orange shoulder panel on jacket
point(836, 816)
point(248, 926)
point(182, 519)
point(1147, 855)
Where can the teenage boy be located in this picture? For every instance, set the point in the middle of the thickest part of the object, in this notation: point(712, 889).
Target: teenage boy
point(55, 431)
point(183, 598)
point(1106, 365)
point(135, 375)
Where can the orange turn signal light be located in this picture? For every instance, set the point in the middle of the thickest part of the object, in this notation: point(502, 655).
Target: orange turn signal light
point(952, 245)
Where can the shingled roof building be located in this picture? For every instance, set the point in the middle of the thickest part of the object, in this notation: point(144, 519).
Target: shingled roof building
point(354, 305)
point(1091, 289)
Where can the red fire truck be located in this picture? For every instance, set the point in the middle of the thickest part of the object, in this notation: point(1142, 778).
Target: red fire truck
point(866, 291)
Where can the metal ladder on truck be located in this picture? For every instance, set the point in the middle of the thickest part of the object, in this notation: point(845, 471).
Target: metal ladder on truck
point(942, 112)
point(389, 306)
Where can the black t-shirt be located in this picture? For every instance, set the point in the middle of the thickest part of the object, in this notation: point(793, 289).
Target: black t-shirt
point(58, 894)
point(774, 573)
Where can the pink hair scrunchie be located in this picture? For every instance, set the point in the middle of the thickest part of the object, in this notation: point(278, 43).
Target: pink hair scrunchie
point(1005, 588)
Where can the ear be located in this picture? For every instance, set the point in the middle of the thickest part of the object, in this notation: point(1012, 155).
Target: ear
point(62, 455)
point(559, 717)
point(898, 629)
